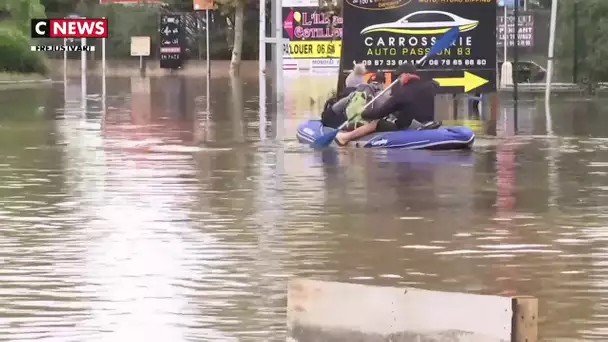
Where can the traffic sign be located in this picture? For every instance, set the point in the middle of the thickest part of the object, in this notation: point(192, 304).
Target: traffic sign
point(383, 34)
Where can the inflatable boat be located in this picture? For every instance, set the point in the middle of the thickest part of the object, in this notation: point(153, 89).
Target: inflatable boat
point(442, 138)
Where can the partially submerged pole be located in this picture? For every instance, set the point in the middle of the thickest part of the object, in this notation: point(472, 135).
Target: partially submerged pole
point(574, 42)
point(550, 66)
point(65, 67)
point(83, 73)
point(515, 63)
point(278, 51)
point(504, 30)
point(551, 50)
point(208, 78)
point(262, 42)
point(262, 70)
point(506, 71)
point(103, 76)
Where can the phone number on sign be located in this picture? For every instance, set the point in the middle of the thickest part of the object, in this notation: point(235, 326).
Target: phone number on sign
point(431, 62)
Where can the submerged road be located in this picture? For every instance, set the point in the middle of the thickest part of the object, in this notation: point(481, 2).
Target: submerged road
point(161, 222)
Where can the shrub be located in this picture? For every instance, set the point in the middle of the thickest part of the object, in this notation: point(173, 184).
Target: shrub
point(16, 55)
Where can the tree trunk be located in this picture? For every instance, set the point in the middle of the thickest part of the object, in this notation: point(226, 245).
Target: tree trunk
point(237, 48)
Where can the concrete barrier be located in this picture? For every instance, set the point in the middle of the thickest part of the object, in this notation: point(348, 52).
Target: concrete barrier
point(341, 312)
point(130, 67)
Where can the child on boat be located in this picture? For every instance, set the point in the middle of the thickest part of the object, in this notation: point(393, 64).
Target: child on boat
point(354, 96)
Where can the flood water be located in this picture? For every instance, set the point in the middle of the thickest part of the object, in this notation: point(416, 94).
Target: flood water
point(162, 222)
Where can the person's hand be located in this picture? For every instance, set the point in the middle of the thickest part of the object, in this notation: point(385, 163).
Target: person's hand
point(403, 78)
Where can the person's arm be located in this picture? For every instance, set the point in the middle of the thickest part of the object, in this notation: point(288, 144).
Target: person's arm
point(345, 92)
point(340, 106)
point(390, 106)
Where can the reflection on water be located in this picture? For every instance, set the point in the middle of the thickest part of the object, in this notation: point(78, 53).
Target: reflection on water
point(161, 221)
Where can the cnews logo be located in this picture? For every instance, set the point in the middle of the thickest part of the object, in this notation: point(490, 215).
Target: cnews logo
point(69, 28)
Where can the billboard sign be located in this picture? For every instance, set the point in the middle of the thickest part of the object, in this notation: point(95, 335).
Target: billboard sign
point(384, 34)
point(314, 37)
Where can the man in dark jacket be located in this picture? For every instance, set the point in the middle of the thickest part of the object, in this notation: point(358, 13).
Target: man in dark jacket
point(411, 98)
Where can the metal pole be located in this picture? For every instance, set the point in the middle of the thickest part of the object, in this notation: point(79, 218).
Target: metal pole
point(262, 106)
point(515, 63)
point(278, 52)
point(208, 60)
point(575, 43)
point(262, 42)
point(65, 67)
point(103, 75)
point(504, 38)
point(207, 41)
point(83, 73)
point(550, 52)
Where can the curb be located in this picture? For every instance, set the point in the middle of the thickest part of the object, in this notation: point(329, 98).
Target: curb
point(46, 80)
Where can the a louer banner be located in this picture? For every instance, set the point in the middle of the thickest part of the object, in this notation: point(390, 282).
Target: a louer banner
point(386, 33)
point(313, 37)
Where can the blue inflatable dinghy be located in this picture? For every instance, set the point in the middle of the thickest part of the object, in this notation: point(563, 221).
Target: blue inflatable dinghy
point(442, 138)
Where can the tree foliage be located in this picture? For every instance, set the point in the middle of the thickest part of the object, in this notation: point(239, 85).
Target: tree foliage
point(21, 11)
point(15, 53)
point(591, 41)
point(143, 20)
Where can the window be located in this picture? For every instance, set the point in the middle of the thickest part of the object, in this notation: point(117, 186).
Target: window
point(428, 17)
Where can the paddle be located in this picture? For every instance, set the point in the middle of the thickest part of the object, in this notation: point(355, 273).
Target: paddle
point(441, 44)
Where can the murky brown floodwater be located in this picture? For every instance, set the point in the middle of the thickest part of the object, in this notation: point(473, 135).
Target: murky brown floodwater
point(161, 223)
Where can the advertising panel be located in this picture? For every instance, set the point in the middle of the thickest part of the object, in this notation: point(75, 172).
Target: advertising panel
point(525, 31)
point(172, 41)
point(384, 34)
point(314, 40)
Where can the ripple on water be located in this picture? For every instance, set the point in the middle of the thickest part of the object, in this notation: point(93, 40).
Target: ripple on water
point(134, 232)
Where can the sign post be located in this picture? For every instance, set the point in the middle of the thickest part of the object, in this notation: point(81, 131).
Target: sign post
point(103, 77)
point(278, 41)
point(552, 25)
point(206, 5)
point(140, 47)
point(385, 34)
point(171, 41)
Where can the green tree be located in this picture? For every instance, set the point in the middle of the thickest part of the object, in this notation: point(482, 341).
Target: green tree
point(21, 11)
point(591, 42)
point(233, 28)
point(15, 53)
point(236, 10)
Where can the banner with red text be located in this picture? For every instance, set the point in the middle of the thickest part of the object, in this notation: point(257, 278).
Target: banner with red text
point(315, 40)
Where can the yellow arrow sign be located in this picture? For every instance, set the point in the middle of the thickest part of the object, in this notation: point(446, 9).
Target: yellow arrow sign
point(469, 81)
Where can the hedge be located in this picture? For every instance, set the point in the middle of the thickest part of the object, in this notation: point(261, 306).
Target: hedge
point(16, 55)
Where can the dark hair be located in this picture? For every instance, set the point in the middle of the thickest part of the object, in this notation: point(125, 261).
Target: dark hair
point(406, 68)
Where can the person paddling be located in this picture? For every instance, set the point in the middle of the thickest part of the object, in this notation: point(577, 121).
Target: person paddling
point(411, 99)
